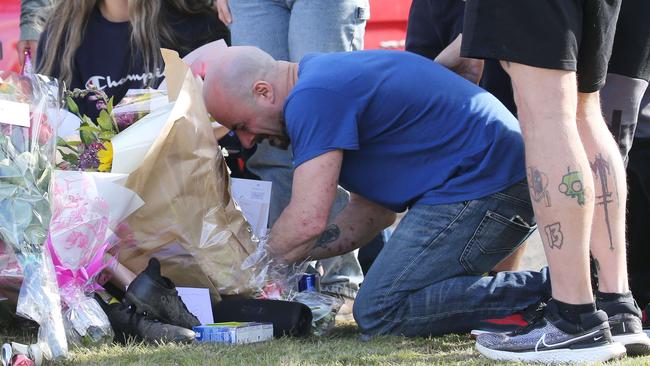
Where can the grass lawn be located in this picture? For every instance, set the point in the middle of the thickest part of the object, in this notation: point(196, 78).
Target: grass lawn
point(342, 347)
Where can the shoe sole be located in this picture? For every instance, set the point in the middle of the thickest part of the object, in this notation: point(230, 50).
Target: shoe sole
point(565, 355)
point(637, 344)
point(475, 333)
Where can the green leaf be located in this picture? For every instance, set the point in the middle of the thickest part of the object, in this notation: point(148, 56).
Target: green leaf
point(86, 137)
point(70, 158)
point(88, 122)
point(109, 106)
point(106, 135)
point(72, 106)
point(90, 129)
point(104, 120)
point(70, 145)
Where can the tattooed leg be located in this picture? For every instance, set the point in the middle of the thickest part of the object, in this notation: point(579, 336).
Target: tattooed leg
point(554, 235)
point(607, 241)
point(600, 168)
point(563, 199)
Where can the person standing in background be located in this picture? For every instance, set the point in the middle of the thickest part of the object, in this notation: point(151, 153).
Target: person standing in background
point(576, 174)
point(33, 14)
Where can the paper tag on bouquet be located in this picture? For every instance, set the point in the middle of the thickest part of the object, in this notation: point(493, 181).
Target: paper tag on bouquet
point(14, 113)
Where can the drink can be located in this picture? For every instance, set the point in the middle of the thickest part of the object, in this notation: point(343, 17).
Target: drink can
point(309, 282)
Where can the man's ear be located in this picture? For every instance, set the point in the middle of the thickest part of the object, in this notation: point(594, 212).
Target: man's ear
point(263, 90)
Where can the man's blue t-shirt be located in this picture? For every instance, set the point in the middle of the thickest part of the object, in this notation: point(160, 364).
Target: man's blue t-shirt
point(411, 130)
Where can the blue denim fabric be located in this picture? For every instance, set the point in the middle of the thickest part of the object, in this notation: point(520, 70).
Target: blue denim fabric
point(428, 280)
point(287, 30)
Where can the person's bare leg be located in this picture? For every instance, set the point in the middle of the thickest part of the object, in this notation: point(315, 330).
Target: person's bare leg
point(558, 175)
point(608, 228)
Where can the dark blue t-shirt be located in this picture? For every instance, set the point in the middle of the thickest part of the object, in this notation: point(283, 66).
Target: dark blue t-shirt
point(411, 130)
point(105, 58)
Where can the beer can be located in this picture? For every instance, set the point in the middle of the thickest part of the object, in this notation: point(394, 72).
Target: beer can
point(309, 282)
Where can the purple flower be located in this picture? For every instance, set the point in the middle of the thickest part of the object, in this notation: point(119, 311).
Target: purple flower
point(88, 159)
point(100, 104)
point(125, 120)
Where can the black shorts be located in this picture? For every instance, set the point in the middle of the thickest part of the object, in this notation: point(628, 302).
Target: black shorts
point(434, 24)
point(631, 53)
point(575, 35)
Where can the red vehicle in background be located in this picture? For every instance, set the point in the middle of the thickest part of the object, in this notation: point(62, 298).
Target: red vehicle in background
point(9, 34)
point(386, 28)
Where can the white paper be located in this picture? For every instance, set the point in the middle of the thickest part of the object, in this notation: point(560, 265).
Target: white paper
point(132, 145)
point(198, 302)
point(14, 113)
point(69, 124)
point(254, 198)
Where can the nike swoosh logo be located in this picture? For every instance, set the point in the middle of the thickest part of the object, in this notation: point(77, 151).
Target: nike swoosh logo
point(542, 340)
point(598, 338)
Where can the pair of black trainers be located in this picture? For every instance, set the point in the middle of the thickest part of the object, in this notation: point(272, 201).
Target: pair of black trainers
point(151, 310)
point(609, 333)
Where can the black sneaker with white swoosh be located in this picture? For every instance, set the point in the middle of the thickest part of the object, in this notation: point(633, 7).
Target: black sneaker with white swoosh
point(551, 339)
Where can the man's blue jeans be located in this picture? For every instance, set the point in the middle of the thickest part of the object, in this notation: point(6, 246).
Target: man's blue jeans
point(429, 278)
point(287, 30)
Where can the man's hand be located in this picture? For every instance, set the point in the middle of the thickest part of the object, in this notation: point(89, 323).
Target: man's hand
point(469, 68)
point(22, 45)
point(221, 7)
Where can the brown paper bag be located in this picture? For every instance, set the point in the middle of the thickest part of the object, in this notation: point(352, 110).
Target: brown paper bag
point(189, 221)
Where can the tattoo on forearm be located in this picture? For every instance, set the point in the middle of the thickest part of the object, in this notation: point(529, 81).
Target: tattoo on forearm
point(538, 182)
point(554, 235)
point(572, 186)
point(602, 172)
point(331, 233)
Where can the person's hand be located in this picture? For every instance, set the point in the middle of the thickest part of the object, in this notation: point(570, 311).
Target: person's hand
point(469, 68)
point(221, 6)
point(22, 45)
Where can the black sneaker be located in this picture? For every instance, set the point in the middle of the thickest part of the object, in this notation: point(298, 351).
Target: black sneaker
point(625, 324)
point(128, 325)
point(551, 339)
point(156, 297)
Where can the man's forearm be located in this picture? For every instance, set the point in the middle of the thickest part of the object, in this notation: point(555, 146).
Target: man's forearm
point(354, 227)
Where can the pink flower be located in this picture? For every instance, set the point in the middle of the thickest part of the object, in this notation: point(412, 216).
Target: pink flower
point(77, 239)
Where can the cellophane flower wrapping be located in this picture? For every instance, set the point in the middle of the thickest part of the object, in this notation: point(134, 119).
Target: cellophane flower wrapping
point(28, 116)
point(87, 208)
point(278, 280)
point(136, 104)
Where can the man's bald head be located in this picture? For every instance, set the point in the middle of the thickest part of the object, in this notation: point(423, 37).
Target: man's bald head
point(231, 75)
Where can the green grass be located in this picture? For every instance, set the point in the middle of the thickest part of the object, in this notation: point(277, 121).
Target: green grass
point(342, 347)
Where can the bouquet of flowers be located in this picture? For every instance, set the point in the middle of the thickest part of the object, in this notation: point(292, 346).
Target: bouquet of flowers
point(80, 240)
point(94, 151)
point(28, 106)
